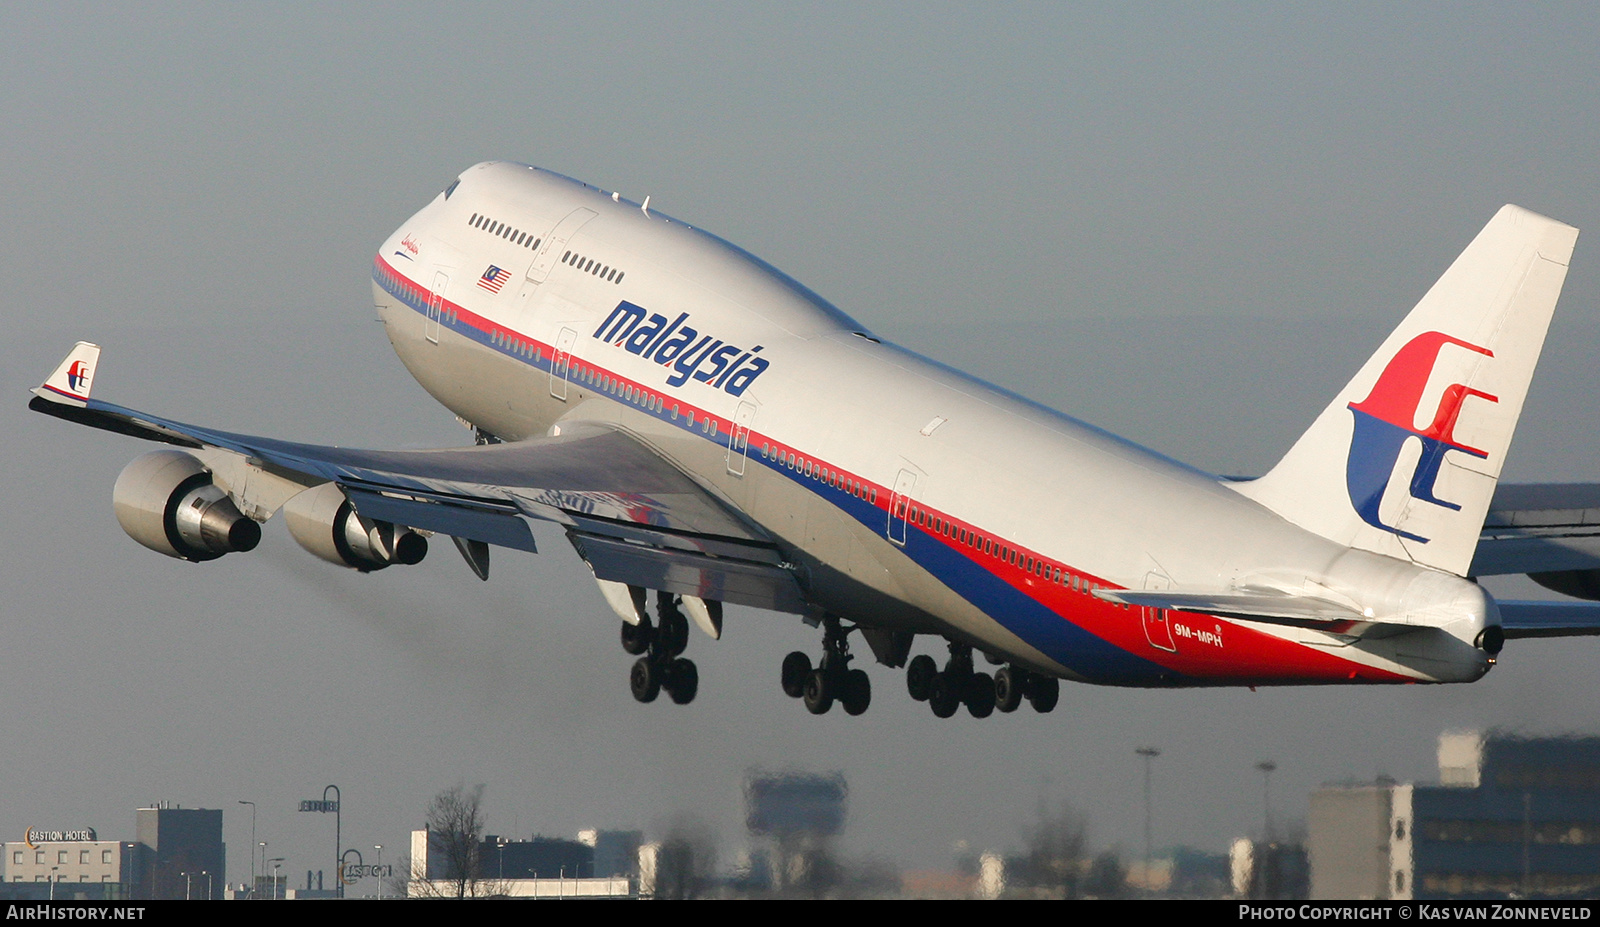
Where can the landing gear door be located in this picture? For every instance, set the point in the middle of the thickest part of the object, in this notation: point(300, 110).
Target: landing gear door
point(900, 505)
point(436, 305)
point(555, 244)
point(739, 440)
point(1157, 627)
point(561, 363)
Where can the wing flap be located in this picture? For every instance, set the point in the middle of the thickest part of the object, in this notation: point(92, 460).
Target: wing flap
point(755, 583)
point(475, 521)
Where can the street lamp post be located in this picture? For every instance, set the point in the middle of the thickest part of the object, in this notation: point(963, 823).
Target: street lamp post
point(1266, 767)
point(379, 848)
point(277, 864)
point(1149, 754)
point(252, 846)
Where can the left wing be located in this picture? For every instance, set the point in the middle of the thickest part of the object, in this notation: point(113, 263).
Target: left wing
point(632, 515)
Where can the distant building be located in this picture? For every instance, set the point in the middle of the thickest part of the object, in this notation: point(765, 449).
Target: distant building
point(593, 866)
point(186, 857)
point(82, 866)
point(178, 854)
point(1510, 817)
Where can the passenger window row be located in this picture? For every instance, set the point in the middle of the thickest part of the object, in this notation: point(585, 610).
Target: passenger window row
point(627, 392)
point(815, 471)
point(516, 345)
point(514, 235)
point(591, 266)
point(1038, 567)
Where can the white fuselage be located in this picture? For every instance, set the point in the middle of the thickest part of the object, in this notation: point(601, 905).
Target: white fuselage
point(918, 498)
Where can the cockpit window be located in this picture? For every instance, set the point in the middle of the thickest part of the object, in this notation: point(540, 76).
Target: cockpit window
point(452, 188)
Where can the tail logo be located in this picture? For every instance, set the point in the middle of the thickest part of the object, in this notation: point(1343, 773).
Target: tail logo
point(77, 376)
point(1387, 418)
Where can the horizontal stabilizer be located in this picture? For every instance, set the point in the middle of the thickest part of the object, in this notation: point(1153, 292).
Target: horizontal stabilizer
point(1300, 611)
point(1540, 528)
point(1549, 619)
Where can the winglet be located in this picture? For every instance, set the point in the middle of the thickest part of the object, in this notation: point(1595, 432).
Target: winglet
point(70, 383)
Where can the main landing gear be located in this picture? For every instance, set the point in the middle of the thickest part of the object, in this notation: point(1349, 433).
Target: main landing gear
point(661, 666)
point(958, 684)
point(830, 681)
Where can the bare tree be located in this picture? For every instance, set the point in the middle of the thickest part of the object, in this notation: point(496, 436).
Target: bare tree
point(1055, 858)
point(453, 866)
point(686, 860)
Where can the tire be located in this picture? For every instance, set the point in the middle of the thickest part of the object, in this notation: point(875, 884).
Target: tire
point(683, 681)
point(980, 695)
point(857, 693)
point(796, 667)
point(942, 696)
point(919, 676)
point(1043, 693)
point(1008, 688)
point(819, 692)
point(636, 637)
point(645, 680)
point(674, 633)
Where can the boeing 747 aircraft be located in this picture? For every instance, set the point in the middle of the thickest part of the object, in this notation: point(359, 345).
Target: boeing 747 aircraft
point(706, 430)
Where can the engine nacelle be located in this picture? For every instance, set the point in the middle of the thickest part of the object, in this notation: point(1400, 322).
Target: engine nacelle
point(324, 523)
point(166, 501)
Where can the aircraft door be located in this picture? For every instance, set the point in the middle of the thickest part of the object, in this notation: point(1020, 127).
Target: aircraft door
point(900, 505)
point(555, 244)
point(561, 362)
point(739, 439)
point(436, 305)
point(1157, 627)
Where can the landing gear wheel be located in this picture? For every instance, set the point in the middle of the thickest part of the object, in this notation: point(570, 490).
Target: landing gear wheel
point(645, 680)
point(857, 694)
point(636, 637)
point(796, 667)
point(943, 696)
point(683, 681)
point(1008, 688)
point(1043, 693)
point(674, 632)
point(919, 676)
point(980, 695)
point(819, 692)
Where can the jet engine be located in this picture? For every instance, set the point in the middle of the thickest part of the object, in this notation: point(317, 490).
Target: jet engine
point(166, 501)
point(324, 523)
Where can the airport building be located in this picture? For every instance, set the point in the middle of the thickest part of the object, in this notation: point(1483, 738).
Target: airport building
point(1511, 817)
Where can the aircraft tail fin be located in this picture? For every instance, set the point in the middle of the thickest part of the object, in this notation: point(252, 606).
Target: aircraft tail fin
point(1405, 459)
point(71, 381)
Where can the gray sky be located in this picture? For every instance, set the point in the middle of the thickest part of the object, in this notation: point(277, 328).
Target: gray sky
point(1187, 223)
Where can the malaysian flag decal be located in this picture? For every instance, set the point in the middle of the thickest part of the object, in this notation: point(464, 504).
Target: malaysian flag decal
point(494, 278)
